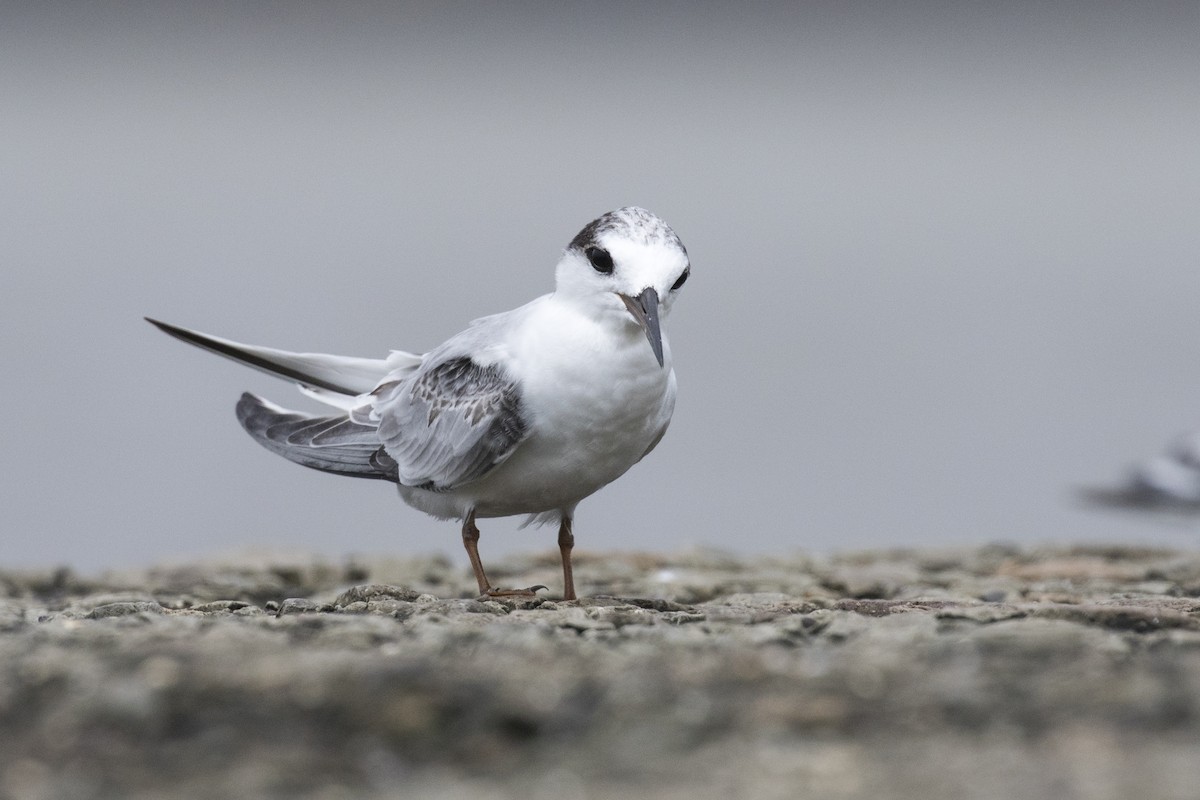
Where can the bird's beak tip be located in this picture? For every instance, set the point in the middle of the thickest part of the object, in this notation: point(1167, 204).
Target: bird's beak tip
point(644, 310)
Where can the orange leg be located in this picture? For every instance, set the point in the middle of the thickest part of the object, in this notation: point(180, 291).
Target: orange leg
point(470, 534)
point(566, 542)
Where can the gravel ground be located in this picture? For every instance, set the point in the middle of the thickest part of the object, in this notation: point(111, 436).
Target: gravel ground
point(987, 673)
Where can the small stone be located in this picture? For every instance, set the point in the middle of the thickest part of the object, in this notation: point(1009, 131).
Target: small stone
point(991, 612)
point(385, 606)
point(297, 605)
point(220, 605)
point(375, 591)
point(125, 609)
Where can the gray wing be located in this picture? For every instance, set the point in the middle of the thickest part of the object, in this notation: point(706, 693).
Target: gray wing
point(339, 444)
point(449, 423)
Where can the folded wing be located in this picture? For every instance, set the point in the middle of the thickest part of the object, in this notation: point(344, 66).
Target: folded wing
point(450, 423)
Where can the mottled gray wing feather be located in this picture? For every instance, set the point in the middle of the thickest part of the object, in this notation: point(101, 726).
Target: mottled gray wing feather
point(335, 444)
point(435, 422)
point(449, 423)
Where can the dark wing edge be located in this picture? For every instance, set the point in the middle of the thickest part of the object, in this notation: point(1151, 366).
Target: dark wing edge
point(454, 422)
point(335, 444)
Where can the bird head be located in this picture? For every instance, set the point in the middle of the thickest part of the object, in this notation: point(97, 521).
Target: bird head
point(629, 262)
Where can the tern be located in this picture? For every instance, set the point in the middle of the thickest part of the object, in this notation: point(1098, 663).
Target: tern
point(1168, 482)
point(524, 412)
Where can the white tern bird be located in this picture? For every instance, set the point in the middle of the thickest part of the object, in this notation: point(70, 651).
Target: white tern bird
point(1168, 483)
point(524, 412)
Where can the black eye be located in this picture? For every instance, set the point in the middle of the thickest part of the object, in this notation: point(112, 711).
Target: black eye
point(601, 261)
point(682, 278)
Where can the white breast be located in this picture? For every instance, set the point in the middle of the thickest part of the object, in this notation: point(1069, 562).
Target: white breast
point(596, 400)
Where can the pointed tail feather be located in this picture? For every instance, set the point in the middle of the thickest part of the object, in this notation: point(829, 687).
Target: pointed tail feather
point(334, 444)
point(343, 375)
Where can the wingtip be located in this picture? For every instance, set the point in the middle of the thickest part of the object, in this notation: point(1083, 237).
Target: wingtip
point(165, 327)
point(248, 407)
point(247, 400)
point(249, 404)
point(303, 368)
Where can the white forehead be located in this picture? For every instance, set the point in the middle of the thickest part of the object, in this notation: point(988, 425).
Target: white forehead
point(648, 260)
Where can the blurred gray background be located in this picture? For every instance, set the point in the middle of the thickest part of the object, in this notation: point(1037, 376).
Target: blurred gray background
point(946, 257)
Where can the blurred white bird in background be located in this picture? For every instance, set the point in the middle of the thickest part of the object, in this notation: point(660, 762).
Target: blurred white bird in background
point(1168, 482)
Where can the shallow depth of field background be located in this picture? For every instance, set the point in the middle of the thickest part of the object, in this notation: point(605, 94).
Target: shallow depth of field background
point(946, 257)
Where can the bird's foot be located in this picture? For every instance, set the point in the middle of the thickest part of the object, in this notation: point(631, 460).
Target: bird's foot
point(492, 594)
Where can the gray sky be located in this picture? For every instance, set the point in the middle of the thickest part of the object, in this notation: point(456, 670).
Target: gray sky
point(946, 257)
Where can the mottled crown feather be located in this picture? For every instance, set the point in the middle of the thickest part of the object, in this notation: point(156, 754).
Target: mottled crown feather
point(631, 222)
